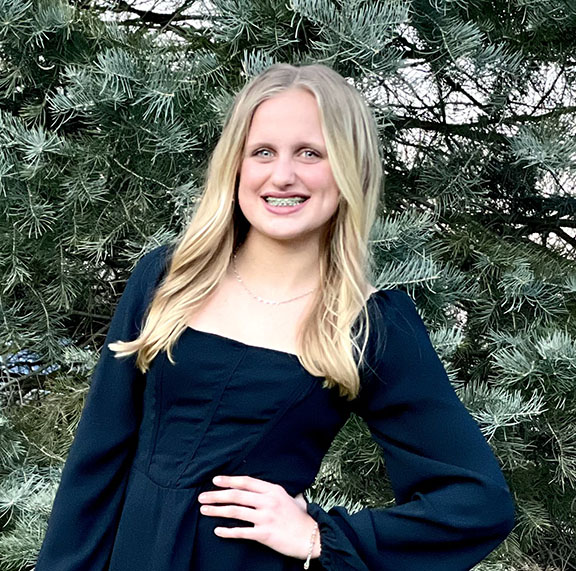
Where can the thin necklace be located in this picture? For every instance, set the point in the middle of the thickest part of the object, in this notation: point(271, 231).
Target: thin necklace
point(257, 297)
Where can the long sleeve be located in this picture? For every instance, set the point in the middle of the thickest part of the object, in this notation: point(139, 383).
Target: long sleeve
point(89, 498)
point(453, 506)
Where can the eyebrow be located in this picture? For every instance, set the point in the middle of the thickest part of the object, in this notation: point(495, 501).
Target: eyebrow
point(298, 145)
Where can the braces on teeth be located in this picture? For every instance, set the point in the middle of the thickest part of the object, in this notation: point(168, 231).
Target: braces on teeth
point(284, 201)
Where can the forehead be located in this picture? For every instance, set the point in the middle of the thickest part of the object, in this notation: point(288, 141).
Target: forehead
point(292, 111)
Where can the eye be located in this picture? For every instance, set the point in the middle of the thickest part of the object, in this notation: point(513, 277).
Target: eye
point(312, 154)
point(259, 152)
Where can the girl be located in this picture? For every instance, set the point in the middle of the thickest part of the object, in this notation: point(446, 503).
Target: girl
point(236, 355)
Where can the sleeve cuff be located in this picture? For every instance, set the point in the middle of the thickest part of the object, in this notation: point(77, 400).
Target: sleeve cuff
point(337, 553)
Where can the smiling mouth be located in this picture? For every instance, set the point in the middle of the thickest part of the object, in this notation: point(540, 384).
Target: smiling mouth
point(292, 201)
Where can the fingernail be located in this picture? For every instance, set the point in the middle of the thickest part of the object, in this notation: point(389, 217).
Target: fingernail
point(218, 479)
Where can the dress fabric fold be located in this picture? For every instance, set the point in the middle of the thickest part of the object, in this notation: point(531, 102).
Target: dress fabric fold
point(147, 445)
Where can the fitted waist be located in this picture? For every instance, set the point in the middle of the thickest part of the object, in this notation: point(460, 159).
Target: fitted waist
point(206, 484)
point(190, 487)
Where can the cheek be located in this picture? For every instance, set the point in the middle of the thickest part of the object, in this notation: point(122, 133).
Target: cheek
point(331, 195)
point(251, 175)
point(321, 179)
point(248, 197)
point(245, 201)
point(247, 183)
point(332, 199)
point(333, 204)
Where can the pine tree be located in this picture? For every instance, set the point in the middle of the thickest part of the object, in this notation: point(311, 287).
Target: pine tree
point(108, 111)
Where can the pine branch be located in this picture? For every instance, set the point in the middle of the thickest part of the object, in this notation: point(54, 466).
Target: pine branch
point(561, 233)
point(457, 87)
point(546, 94)
point(466, 130)
point(156, 18)
point(471, 130)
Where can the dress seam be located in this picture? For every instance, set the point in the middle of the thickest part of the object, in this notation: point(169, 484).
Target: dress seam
point(298, 394)
point(157, 406)
point(209, 418)
point(188, 489)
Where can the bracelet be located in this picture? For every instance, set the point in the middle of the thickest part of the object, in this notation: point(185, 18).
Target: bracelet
point(307, 562)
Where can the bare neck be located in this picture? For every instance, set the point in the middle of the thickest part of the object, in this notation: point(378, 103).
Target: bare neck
point(278, 269)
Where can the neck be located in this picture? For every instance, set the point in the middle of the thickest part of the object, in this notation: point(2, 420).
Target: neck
point(275, 269)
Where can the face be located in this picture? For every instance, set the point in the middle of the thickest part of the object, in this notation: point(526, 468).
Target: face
point(286, 189)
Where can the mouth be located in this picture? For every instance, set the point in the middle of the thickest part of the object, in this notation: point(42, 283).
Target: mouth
point(285, 201)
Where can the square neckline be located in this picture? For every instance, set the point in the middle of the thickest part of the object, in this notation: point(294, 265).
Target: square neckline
point(234, 340)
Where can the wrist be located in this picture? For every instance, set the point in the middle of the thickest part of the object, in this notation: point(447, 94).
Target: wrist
point(317, 549)
point(313, 546)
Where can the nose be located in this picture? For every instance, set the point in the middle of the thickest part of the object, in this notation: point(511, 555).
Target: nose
point(284, 172)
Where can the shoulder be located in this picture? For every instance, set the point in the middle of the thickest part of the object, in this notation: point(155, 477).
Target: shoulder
point(157, 256)
point(154, 262)
point(148, 271)
point(143, 281)
point(392, 302)
point(398, 341)
point(397, 314)
point(395, 324)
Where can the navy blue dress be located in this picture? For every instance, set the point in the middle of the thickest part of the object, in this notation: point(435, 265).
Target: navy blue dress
point(147, 445)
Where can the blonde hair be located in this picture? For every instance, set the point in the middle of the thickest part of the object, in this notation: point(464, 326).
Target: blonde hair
point(328, 344)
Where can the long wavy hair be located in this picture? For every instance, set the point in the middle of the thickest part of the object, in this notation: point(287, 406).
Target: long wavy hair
point(332, 339)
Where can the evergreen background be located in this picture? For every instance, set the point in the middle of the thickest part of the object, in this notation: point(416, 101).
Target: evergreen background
point(108, 110)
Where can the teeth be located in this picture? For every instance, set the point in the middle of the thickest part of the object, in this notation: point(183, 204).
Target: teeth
point(293, 201)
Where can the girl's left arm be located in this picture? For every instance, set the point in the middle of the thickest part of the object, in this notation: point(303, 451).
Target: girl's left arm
point(453, 505)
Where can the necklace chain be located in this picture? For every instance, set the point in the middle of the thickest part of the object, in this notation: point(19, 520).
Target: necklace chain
point(257, 297)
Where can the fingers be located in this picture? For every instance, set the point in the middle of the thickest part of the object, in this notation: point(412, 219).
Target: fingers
point(243, 490)
point(244, 483)
point(231, 496)
point(236, 512)
point(248, 499)
point(253, 533)
point(280, 521)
